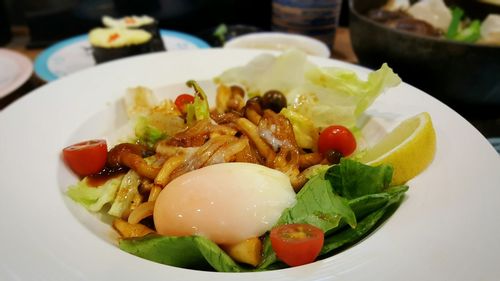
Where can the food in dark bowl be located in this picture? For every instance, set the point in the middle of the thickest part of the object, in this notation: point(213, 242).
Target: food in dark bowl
point(464, 75)
point(434, 18)
point(114, 43)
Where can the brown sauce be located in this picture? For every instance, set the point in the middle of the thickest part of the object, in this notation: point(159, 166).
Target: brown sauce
point(105, 174)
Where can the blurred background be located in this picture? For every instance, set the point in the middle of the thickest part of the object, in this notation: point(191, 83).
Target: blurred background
point(52, 20)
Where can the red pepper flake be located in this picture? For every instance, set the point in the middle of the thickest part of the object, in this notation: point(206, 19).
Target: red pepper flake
point(113, 37)
point(129, 20)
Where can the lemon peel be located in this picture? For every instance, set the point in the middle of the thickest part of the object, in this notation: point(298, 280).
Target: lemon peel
point(409, 148)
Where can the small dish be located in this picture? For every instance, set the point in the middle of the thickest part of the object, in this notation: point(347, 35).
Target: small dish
point(74, 54)
point(15, 69)
point(280, 41)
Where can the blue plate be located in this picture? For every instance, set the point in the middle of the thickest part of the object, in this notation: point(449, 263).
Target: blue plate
point(75, 53)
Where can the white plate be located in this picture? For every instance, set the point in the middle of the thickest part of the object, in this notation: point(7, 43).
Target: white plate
point(280, 41)
point(446, 229)
point(75, 53)
point(15, 69)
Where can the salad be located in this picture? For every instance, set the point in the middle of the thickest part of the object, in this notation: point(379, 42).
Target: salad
point(269, 177)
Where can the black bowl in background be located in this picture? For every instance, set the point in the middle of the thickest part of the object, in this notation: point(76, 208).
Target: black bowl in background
point(465, 76)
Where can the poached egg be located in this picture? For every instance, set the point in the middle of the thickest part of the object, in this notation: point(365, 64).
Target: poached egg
point(226, 203)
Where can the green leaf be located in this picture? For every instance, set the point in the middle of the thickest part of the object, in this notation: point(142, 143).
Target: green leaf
point(175, 251)
point(340, 96)
point(470, 34)
point(454, 26)
point(221, 32)
point(367, 204)
point(351, 235)
point(216, 257)
point(199, 109)
point(193, 252)
point(306, 133)
point(365, 225)
point(94, 198)
point(268, 254)
point(324, 95)
point(363, 207)
point(147, 133)
point(318, 205)
point(351, 179)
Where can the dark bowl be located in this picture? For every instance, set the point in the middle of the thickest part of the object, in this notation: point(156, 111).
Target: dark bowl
point(466, 76)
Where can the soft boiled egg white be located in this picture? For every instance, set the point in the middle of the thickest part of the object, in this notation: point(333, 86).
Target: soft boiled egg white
point(227, 203)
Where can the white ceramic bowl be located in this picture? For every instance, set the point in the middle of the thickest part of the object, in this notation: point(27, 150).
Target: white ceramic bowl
point(279, 41)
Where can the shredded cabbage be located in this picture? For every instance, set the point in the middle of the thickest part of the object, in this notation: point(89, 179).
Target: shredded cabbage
point(147, 133)
point(128, 189)
point(94, 198)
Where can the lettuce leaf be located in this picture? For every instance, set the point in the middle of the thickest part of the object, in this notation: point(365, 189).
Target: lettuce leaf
point(199, 109)
point(128, 189)
point(146, 133)
point(306, 134)
point(325, 95)
point(94, 198)
point(267, 72)
point(339, 96)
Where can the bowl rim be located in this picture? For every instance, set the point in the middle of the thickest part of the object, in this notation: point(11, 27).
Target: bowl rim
point(320, 48)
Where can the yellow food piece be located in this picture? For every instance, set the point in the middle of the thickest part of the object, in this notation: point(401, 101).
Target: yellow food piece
point(248, 251)
point(409, 148)
point(128, 230)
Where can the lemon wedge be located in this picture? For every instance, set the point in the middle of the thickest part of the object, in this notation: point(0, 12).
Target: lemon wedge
point(409, 148)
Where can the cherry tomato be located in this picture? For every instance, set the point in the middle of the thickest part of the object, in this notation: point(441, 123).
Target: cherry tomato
point(337, 138)
point(297, 244)
point(182, 100)
point(87, 157)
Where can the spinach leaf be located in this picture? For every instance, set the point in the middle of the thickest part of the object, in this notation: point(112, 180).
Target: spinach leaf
point(318, 205)
point(217, 258)
point(351, 179)
point(351, 235)
point(364, 205)
point(268, 255)
point(175, 251)
point(194, 252)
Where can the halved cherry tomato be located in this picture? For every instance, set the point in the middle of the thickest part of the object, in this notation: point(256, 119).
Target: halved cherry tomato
point(337, 138)
point(182, 100)
point(87, 157)
point(297, 244)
